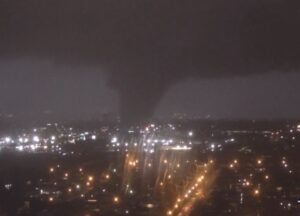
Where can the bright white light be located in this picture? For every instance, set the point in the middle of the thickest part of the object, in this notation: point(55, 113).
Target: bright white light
point(94, 137)
point(53, 138)
point(114, 140)
point(8, 186)
point(20, 148)
point(150, 205)
point(36, 139)
point(7, 139)
point(191, 133)
point(184, 148)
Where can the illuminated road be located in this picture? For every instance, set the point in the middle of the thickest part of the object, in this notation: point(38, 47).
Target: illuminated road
point(197, 188)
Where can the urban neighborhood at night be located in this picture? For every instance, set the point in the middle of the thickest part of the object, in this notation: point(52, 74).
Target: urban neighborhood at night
point(184, 167)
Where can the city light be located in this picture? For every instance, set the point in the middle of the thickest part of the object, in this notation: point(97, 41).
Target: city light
point(176, 175)
point(36, 139)
point(116, 199)
point(7, 139)
point(259, 161)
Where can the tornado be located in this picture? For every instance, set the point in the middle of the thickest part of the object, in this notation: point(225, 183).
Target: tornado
point(147, 46)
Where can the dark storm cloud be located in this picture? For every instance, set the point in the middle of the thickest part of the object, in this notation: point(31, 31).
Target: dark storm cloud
point(146, 46)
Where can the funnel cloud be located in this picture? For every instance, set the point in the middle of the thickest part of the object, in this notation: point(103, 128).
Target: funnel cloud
point(144, 47)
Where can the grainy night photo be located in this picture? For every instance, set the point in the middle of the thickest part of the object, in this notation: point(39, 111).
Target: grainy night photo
point(149, 108)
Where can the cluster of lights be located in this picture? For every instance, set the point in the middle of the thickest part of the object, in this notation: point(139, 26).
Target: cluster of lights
point(192, 193)
point(286, 165)
point(90, 179)
point(256, 188)
point(194, 189)
point(152, 138)
point(246, 182)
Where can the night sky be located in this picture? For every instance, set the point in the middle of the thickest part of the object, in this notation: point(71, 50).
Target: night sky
point(78, 59)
